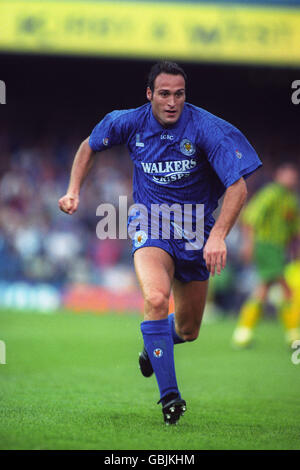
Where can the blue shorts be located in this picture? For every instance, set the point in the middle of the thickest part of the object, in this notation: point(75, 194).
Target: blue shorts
point(189, 263)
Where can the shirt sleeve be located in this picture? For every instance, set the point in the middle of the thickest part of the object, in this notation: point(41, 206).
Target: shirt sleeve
point(233, 157)
point(112, 130)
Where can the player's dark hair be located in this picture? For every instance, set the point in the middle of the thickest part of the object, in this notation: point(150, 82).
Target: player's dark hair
point(164, 67)
point(289, 165)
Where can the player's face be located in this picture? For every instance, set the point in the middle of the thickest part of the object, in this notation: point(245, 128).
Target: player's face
point(288, 177)
point(168, 98)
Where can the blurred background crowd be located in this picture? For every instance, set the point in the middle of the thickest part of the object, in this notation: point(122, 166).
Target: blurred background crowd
point(38, 242)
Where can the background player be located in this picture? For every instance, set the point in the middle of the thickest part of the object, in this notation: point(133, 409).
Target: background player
point(181, 154)
point(270, 222)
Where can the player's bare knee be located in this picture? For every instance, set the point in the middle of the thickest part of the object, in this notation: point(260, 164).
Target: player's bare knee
point(156, 304)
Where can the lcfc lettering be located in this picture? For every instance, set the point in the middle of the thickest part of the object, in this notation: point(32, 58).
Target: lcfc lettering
point(166, 137)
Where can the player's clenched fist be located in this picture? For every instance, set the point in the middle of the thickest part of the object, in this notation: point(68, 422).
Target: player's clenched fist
point(68, 203)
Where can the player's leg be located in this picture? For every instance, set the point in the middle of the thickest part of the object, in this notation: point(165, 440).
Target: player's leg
point(292, 278)
point(189, 299)
point(289, 314)
point(268, 263)
point(155, 269)
point(249, 315)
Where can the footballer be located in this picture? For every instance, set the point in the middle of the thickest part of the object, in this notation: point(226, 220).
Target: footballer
point(183, 155)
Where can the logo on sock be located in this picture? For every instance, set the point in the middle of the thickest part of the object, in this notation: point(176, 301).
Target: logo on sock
point(158, 352)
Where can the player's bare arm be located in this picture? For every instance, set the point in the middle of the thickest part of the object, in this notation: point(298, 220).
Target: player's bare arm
point(215, 251)
point(82, 163)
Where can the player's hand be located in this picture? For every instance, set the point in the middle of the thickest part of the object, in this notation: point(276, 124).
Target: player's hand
point(215, 254)
point(68, 203)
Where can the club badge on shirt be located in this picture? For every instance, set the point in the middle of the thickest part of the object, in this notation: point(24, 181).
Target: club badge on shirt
point(187, 147)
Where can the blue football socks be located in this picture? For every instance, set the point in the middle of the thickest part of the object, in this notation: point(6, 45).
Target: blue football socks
point(159, 345)
point(176, 338)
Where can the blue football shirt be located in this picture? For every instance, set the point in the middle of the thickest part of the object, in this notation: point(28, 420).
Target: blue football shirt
point(193, 161)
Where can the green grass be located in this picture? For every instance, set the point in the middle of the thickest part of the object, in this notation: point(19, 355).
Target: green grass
point(72, 382)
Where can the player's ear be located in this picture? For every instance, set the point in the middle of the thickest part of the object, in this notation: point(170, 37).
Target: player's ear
point(149, 94)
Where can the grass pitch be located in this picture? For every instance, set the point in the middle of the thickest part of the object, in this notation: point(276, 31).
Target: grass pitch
point(72, 382)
